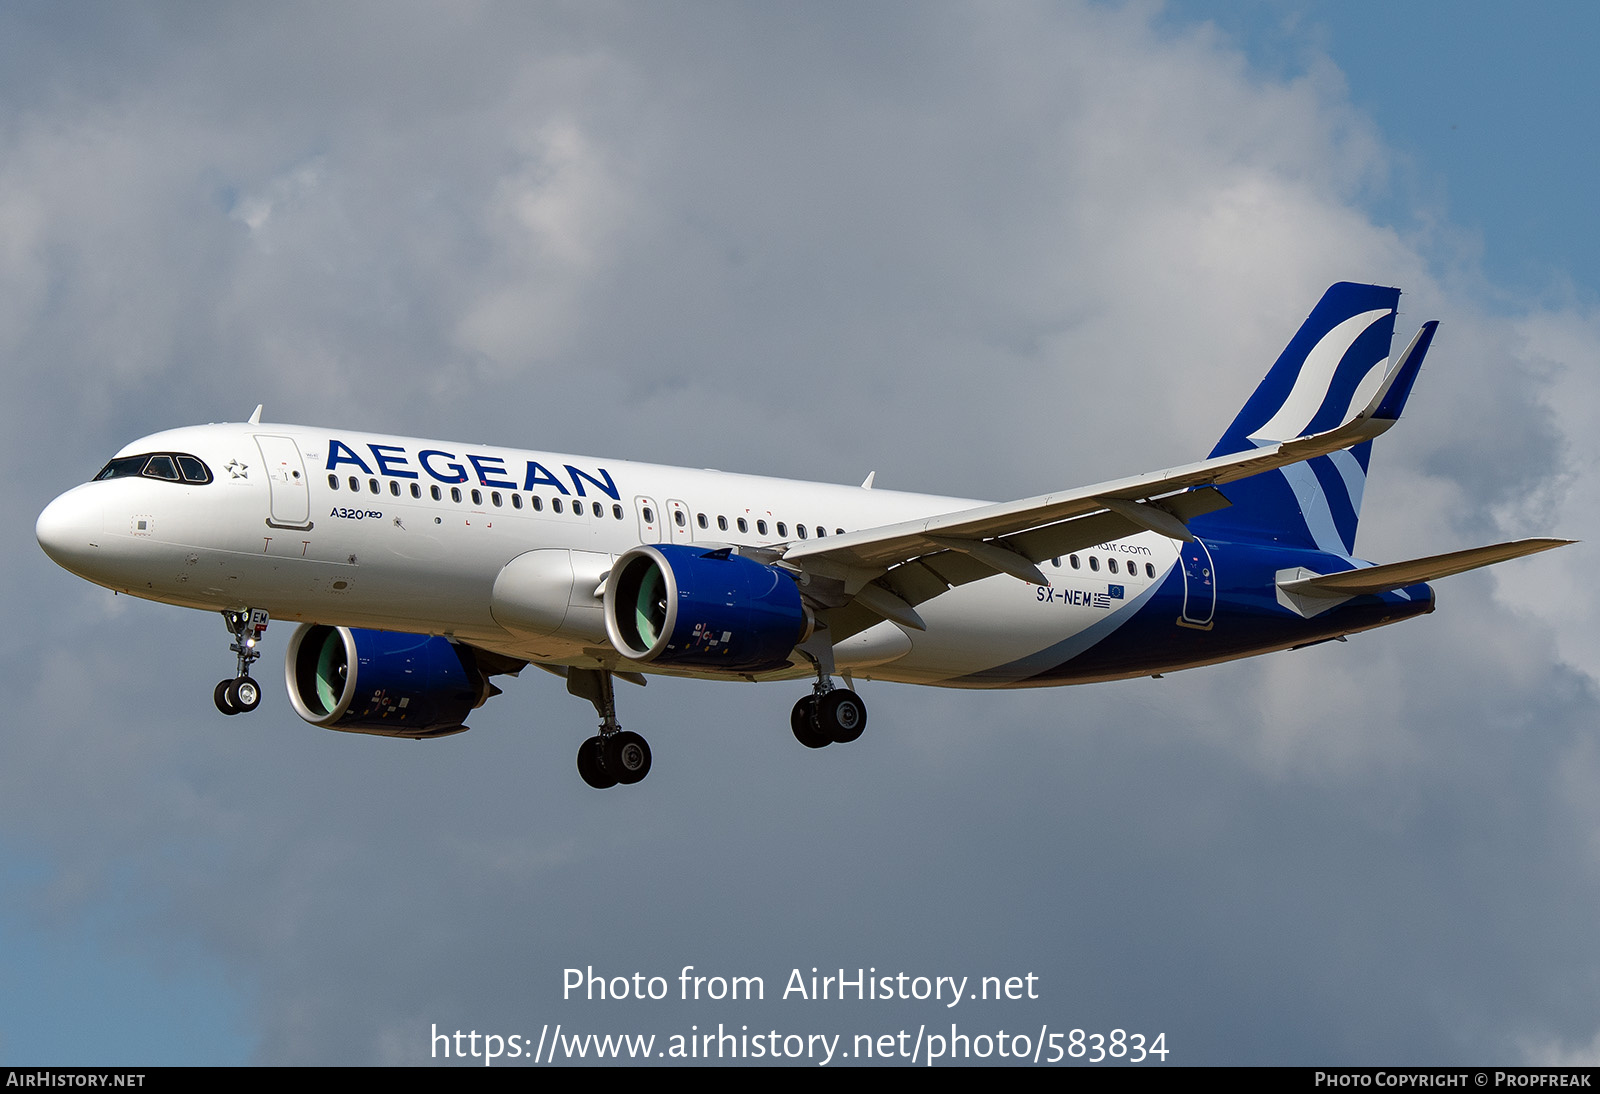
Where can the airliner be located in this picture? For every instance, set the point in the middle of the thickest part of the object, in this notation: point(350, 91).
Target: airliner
point(418, 570)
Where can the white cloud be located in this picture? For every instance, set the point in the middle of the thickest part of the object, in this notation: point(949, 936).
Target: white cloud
point(1553, 1053)
point(555, 220)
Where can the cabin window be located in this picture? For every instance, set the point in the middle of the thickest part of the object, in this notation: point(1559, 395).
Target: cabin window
point(537, 502)
point(700, 519)
point(616, 511)
point(744, 525)
point(477, 496)
point(333, 482)
point(1074, 560)
point(372, 485)
point(1111, 564)
point(355, 484)
point(679, 519)
point(1149, 570)
point(394, 487)
point(783, 529)
point(455, 494)
point(801, 528)
point(649, 515)
point(1094, 564)
point(416, 491)
point(434, 490)
point(722, 523)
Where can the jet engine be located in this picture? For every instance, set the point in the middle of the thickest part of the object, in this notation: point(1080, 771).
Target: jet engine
point(674, 604)
point(383, 682)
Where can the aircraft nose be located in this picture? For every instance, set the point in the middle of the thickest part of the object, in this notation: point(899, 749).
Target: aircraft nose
point(69, 530)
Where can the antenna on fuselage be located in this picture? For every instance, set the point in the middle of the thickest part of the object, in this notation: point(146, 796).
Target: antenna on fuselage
point(867, 483)
point(255, 418)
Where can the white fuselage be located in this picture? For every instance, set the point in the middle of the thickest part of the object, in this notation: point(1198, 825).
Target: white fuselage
point(395, 533)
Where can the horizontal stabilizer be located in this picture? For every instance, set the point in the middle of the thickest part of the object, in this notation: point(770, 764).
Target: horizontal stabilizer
point(1399, 575)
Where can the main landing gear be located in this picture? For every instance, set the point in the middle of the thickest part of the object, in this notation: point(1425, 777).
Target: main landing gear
point(614, 755)
point(242, 694)
point(829, 715)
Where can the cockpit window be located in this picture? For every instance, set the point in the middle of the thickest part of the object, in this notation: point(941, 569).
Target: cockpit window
point(169, 466)
point(162, 467)
point(193, 470)
point(128, 465)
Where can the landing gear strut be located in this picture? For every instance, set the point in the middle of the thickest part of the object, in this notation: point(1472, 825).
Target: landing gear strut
point(242, 694)
point(614, 755)
point(829, 715)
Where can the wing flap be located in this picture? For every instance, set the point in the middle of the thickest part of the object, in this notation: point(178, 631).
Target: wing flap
point(954, 568)
point(913, 582)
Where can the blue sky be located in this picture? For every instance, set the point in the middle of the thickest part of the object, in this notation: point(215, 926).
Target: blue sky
point(984, 250)
point(1482, 107)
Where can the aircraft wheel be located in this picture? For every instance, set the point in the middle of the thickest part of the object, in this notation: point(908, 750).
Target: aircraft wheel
point(594, 772)
point(803, 721)
point(628, 757)
point(223, 697)
point(246, 694)
point(841, 715)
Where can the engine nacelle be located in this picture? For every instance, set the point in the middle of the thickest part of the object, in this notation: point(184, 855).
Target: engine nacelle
point(679, 605)
point(383, 682)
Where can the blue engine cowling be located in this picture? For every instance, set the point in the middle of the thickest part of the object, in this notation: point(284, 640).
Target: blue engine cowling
point(711, 609)
point(382, 682)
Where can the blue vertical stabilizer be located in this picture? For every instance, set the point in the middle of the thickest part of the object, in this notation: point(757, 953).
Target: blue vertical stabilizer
point(1330, 371)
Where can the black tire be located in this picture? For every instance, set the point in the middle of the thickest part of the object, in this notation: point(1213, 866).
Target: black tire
point(627, 756)
point(223, 697)
point(246, 694)
point(594, 772)
point(803, 721)
point(841, 715)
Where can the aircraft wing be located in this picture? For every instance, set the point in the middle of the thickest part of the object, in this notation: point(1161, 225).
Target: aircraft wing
point(914, 561)
point(883, 573)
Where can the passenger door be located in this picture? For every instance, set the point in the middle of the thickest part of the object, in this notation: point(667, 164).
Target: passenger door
point(286, 477)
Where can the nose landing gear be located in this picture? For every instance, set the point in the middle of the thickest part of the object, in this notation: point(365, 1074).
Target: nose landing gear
point(242, 694)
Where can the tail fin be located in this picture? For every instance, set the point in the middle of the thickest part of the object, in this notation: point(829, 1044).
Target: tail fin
point(1331, 370)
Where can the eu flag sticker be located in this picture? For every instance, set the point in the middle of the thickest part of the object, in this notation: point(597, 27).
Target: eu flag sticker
point(1114, 592)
